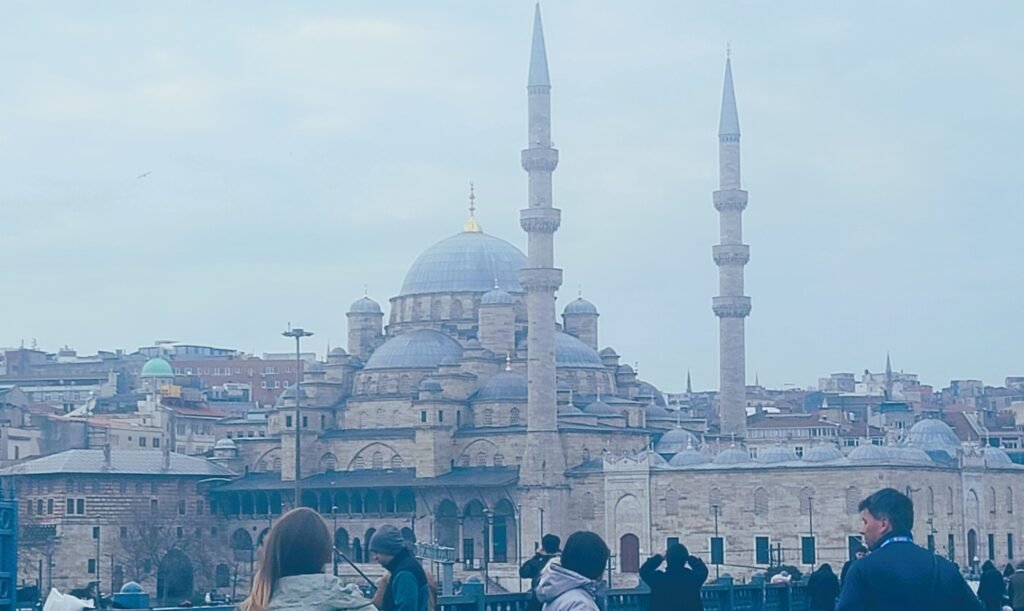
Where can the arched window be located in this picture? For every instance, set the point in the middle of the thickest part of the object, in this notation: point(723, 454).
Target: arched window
point(761, 501)
point(671, 502)
point(378, 460)
point(715, 502)
point(806, 498)
point(481, 459)
point(513, 417)
point(629, 553)
point(396, 462)
point(456, 308)
point(499, 460)
point(464, 460)
point(991, 500)
point(1009, 500)
point(358, 463)
point(277, 464)
point(379, 423)
point(328, 463)
point(222, 576)
point(931, 501)
point(852, 500)
point(586, 455)
point(488, 416)
point(587, 506)
point(950, 500)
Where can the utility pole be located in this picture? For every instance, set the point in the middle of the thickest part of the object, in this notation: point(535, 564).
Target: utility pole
point(298, 333)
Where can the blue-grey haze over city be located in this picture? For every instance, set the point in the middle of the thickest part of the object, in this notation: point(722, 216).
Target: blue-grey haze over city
point(211, 172)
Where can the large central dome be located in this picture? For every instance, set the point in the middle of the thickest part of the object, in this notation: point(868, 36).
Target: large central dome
point(471, 261)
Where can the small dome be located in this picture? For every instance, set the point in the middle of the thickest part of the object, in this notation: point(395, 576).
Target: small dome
point(365, 305)
point(909, 456)
point(657, 412)
point(732, 456)
point(676, 440)
point(430, 385)
point(600, 408)
point(776, 454)
point(473, 344)
point(571, 352)
point(608, 351)
point(646, 389)
point(580, 306)
point(470, 261)
point(497, 297)
point(505, 386)
point(568, 409)
point(132, 588)
point(421, 349)
point(624, 369)
point(157, 368)
point(869, 453)
point(932, 434)
point(996, 457)
point(225, 444)
point(687, 458)
point(822, 452)
point(339, 351)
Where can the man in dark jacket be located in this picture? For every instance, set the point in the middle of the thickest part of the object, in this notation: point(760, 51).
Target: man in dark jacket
point(1016, 588)
point(991, 587)
point(859, 553)
point(407, 587)
point(822, 589)
point(677, 588)
point(898, 575)
point(531, 569)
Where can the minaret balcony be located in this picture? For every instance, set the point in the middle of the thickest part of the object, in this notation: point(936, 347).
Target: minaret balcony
point(731, 307)
point(731, 254)
point(540, 279)
point(540, 220)
point(730, 200)
point(543, 159)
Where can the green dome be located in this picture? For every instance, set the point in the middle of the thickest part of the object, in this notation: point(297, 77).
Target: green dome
point(157, 368)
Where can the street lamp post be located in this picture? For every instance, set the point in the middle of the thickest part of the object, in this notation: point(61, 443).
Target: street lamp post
point(298, 333)
point(541, 536)
point(715, 507)
point(334, 538)
point(487, 544)
point(519, 540)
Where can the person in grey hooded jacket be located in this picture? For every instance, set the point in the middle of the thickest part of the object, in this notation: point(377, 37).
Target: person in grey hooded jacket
point(291, 577)
point(568, 583)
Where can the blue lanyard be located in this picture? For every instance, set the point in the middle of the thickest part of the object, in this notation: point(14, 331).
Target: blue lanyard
point(896, 540)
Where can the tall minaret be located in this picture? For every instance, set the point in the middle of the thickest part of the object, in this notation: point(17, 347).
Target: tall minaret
point(544, 461)
point(731, 306)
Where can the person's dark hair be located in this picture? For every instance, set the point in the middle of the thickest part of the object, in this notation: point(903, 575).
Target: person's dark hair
point(1008, 570)
point(585, 553)
point(826, 568)
point(298, 544)
point(550, 543)
point(988, 566)
point(1020, 565)
point(676, 555)
point(893, 505)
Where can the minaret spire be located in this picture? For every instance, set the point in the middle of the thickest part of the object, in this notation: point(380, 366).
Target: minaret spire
point(731, 254)
point(544, 460)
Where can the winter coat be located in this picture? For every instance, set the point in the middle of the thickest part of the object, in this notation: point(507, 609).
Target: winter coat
point(901, 576)
point(677, 588)
point(560, 589)
point(991, 589)
point(531, 570)
point(317, 592)
point(822, 590)
point(408, 589)
point(1017, 589)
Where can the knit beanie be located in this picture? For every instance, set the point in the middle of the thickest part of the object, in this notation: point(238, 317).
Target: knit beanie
point(585, 553)
point(387, 540)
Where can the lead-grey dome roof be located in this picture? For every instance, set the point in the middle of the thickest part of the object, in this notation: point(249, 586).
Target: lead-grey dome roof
point(996, 457)
point(571, 352)
point(676, 440)
point(505, 386)
point(776, 454)
point(930, 435)
point(497, 296)
point(365, 305)
point(822, 452)
point(420, 349)
point(869, 453)
point(909, 456)
point(657, 412)
point(687, 457)
point(732, 456)
point(580, 306)
point(470, 261)
point(225, 444)
point(600, 408)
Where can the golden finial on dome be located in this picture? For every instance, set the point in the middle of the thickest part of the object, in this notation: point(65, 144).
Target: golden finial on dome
point(471, 226)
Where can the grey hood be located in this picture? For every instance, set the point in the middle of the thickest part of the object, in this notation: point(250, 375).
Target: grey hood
point(557, 580)
point(317, 592)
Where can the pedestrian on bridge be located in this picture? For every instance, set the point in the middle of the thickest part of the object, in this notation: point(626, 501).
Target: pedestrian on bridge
point(677, 588)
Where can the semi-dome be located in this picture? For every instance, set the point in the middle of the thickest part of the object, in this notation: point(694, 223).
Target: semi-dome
point(732, 456)
point(996, 457)
point(580, 306)
point(600, 408)
point(647, 389)
point(471, 261)
point(157, 368)
point(497, 297)
point(869, 453)
point(505, 386)
point(571, 352)
point(687, 458)
point(420, 349)
point(776, 454)
point(676, 440)
point(932, 434)
point(822, 452)
point(365, 305)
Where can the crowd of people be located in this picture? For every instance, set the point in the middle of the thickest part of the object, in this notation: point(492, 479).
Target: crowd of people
point(890, 573)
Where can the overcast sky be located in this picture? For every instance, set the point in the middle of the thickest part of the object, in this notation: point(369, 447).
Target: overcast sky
point(294, 152)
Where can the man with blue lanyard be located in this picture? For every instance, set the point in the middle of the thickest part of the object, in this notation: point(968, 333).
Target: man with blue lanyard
point(898, 575)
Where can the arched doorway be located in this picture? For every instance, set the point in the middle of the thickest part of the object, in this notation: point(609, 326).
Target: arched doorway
point(341, 541)
point(447, 528)
point(503, 532)
point(174, 578)
point(972, 546)
point(629, 554)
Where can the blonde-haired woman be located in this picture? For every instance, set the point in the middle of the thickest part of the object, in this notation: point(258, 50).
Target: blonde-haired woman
point(291, 574)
